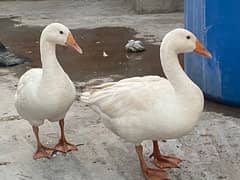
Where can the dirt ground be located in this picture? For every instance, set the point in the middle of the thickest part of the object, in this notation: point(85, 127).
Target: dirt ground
point(210, 152)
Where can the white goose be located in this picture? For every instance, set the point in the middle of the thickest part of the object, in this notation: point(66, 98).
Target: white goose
point(48, 93)
point(151, 107)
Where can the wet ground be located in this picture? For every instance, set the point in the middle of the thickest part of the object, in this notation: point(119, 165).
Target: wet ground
point(24, 41)
point(211, 151)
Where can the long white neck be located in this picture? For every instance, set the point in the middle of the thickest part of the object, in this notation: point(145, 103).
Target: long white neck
point(174, 72)
point(187, 93)
point(50, 64)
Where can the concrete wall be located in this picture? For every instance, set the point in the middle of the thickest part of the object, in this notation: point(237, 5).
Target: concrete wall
point(156, 6)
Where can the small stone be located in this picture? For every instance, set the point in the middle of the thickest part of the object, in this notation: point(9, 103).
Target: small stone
point(134, 46)
point(105, 54)
point(8, 58)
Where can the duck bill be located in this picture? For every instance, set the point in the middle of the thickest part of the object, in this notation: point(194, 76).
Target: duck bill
point(72, 43)
point(200, 49)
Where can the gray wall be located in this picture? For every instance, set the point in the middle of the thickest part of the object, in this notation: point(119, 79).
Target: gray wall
point(156, 6)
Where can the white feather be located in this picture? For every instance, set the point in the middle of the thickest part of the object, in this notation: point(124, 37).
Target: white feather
point(151, 107)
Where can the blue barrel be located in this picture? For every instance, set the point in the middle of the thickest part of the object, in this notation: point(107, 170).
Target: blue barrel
point(217, 25)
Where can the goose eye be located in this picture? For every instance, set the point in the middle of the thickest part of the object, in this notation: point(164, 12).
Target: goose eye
point(188, 37)
point(61, 32)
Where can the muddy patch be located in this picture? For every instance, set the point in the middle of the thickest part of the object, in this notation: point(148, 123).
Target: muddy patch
point(96, 43)
point(118, 64)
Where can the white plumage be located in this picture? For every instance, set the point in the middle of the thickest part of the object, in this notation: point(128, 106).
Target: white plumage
point(47, 93)
point(142, 108)
point(151, 107)
point(37, 102)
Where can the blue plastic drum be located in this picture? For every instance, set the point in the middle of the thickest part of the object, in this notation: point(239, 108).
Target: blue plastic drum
point(217, 25)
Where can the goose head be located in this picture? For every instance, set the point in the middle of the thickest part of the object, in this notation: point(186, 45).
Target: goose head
point(57, 33)
point(183, 41)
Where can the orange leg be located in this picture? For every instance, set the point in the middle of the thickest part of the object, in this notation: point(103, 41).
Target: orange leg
point(42, 151)
point(149, 173)
point(163, 161)
point(63, 145)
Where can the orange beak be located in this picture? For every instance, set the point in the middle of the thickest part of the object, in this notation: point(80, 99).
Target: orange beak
point(72, 43)
point(200, 49)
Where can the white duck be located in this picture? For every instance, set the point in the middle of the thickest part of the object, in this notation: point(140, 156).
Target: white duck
point(151, 107)
point(48, 93)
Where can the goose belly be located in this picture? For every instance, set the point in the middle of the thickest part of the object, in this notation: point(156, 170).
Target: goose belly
point(136, 128)
point(51, 105)
point(57, 104)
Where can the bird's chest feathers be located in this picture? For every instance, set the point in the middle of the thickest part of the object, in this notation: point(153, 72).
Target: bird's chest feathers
point(58, 91)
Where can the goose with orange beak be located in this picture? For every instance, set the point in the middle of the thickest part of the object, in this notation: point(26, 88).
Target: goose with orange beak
point(152, 107)
point(47, 92)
